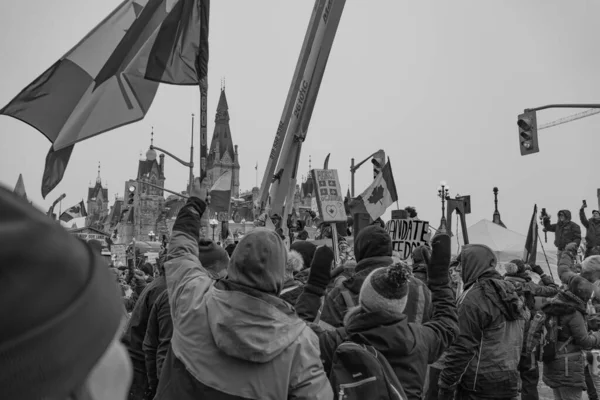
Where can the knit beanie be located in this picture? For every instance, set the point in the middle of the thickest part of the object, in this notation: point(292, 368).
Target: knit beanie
point(213, 257)
point(259, 261)
point(590, 268)
point(581, 288)
point(385, 290)
point(306, 250)
point(515, 267)
point(372, 241)
point(61, 307)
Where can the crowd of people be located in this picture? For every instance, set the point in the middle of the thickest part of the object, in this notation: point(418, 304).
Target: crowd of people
point(264, 321)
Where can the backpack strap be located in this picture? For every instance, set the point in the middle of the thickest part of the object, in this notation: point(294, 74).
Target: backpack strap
point(289, 289)
point(347, 298)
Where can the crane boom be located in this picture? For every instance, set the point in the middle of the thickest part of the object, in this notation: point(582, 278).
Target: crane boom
point(574, 117)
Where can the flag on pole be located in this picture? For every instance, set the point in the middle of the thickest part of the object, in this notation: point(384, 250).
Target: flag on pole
point(77, 211)
point(530, 252)
point(111, 77)
point(220, 193)
point(379, 195)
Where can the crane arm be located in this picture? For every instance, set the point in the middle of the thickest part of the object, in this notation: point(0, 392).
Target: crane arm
point(574, 117)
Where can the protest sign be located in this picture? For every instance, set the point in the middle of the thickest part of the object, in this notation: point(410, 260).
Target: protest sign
point(407, 234)
point(119, 255)
point(329, 195)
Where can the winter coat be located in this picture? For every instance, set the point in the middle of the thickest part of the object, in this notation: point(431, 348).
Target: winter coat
point(418, 308)
point(231, 341)
point(133, 338)
point(484, 359)
point(291, 291)
point(420, 272)
point(158, 338)
point(564, 232)
point(592, 236)
point(408, 347)
point(568, 370)
point(530, 290)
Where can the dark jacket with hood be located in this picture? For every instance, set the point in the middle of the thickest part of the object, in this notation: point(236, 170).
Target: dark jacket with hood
point(234, 339)
point(133, 338)
point(408, 347)
point(158, 338)
point(564, 232)
point(592, 236)
point(484, 359)
point(373, 249)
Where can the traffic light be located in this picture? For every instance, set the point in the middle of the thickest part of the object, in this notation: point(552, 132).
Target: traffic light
point(528, 139)
point(131, 193)
point(378, 161)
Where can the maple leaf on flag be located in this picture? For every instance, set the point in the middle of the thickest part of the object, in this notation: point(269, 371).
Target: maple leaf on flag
point(76, 210)
point(376, 195)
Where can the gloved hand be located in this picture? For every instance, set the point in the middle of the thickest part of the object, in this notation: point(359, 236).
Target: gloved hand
point(571, 248)
point(320, 269)
point(439, 264)
point(538, 270)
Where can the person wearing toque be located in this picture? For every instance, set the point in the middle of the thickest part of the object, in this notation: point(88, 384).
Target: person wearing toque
point(62, 312)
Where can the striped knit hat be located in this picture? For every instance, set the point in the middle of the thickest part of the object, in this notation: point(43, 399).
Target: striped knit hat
point(385, 290)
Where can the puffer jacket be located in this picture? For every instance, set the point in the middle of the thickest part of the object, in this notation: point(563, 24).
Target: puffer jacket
point(230, 341)
point(483, 361)
point(564, 232)
point(592, 235)
point(567, 370)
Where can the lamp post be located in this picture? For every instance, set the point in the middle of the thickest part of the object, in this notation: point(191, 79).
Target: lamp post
point(213, 224)
point(443, 193)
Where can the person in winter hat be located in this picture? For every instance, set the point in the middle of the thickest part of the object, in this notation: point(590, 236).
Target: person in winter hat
point(292, 287)
point(565, 373)
point(380, 319)
point(592, 225)
point(62, 312)
point(516, 274)
point(420, 257)
point(306, 251)
point(373, 249)
point(590, 269)
point(483, 361)
point(565, 230)
point(235, 338)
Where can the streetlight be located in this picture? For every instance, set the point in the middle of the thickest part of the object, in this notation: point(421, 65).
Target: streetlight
point(151, 236)
point(213, 224)
point(443, 193)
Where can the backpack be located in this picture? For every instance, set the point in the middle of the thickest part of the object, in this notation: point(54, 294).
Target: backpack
point(543, 333)
point(360, 372)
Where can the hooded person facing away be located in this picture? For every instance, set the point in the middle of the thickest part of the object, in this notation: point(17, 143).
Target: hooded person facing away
point(235, 338)
point(61, 315)
point(483, 361)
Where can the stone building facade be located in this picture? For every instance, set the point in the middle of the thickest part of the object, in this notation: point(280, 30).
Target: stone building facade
point(97, 205)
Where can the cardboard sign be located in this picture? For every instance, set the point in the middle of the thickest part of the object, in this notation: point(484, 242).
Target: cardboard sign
point(407, 235)
point(329, 195)
point(119, 254)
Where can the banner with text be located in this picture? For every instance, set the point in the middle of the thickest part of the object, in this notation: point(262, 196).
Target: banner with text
point(407, 235)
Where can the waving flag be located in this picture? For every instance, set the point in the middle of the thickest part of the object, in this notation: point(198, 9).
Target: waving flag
point(220, 193)
point(77, 211)
point(379, 196)
point(530, 252)
point(111, 77)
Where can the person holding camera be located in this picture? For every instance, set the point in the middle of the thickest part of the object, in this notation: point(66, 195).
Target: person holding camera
point(565, 230)
point(592, 236)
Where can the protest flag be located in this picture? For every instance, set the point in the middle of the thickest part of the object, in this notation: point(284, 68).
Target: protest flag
point(111, 77)
point(77, 211)
point(378, 196)
point(220, 193)
point(530, 252)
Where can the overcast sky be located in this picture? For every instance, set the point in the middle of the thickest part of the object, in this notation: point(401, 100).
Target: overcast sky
point(436, 84)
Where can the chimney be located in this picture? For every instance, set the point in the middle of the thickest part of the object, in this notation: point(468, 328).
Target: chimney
point(235, 157)
point(162, 163)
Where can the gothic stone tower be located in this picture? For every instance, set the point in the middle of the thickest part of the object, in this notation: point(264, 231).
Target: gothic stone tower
point(150, 201)
point(223, 154)
point(97, 204)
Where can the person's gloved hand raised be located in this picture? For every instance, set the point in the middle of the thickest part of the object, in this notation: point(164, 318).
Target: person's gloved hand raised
point(199, 189)
point(538, 270)
point(320, 270)
point(439, 263)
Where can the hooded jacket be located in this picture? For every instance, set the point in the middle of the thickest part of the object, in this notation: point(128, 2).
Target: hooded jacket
point(484, 358)
point(592, 235)
point(373, 249)
point(235, 339)
point(564, 232)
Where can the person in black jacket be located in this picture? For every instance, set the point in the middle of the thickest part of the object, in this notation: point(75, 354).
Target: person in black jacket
point(157, 341)
point(592, 236)
point(565, 230)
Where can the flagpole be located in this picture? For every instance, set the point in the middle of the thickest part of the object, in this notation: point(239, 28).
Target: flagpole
point(547, 262)
point(203, 147)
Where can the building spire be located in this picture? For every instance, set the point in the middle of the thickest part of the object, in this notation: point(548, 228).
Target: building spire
point(152, 137)
point(98, 180)
point(496, 218)
point(310, 163)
